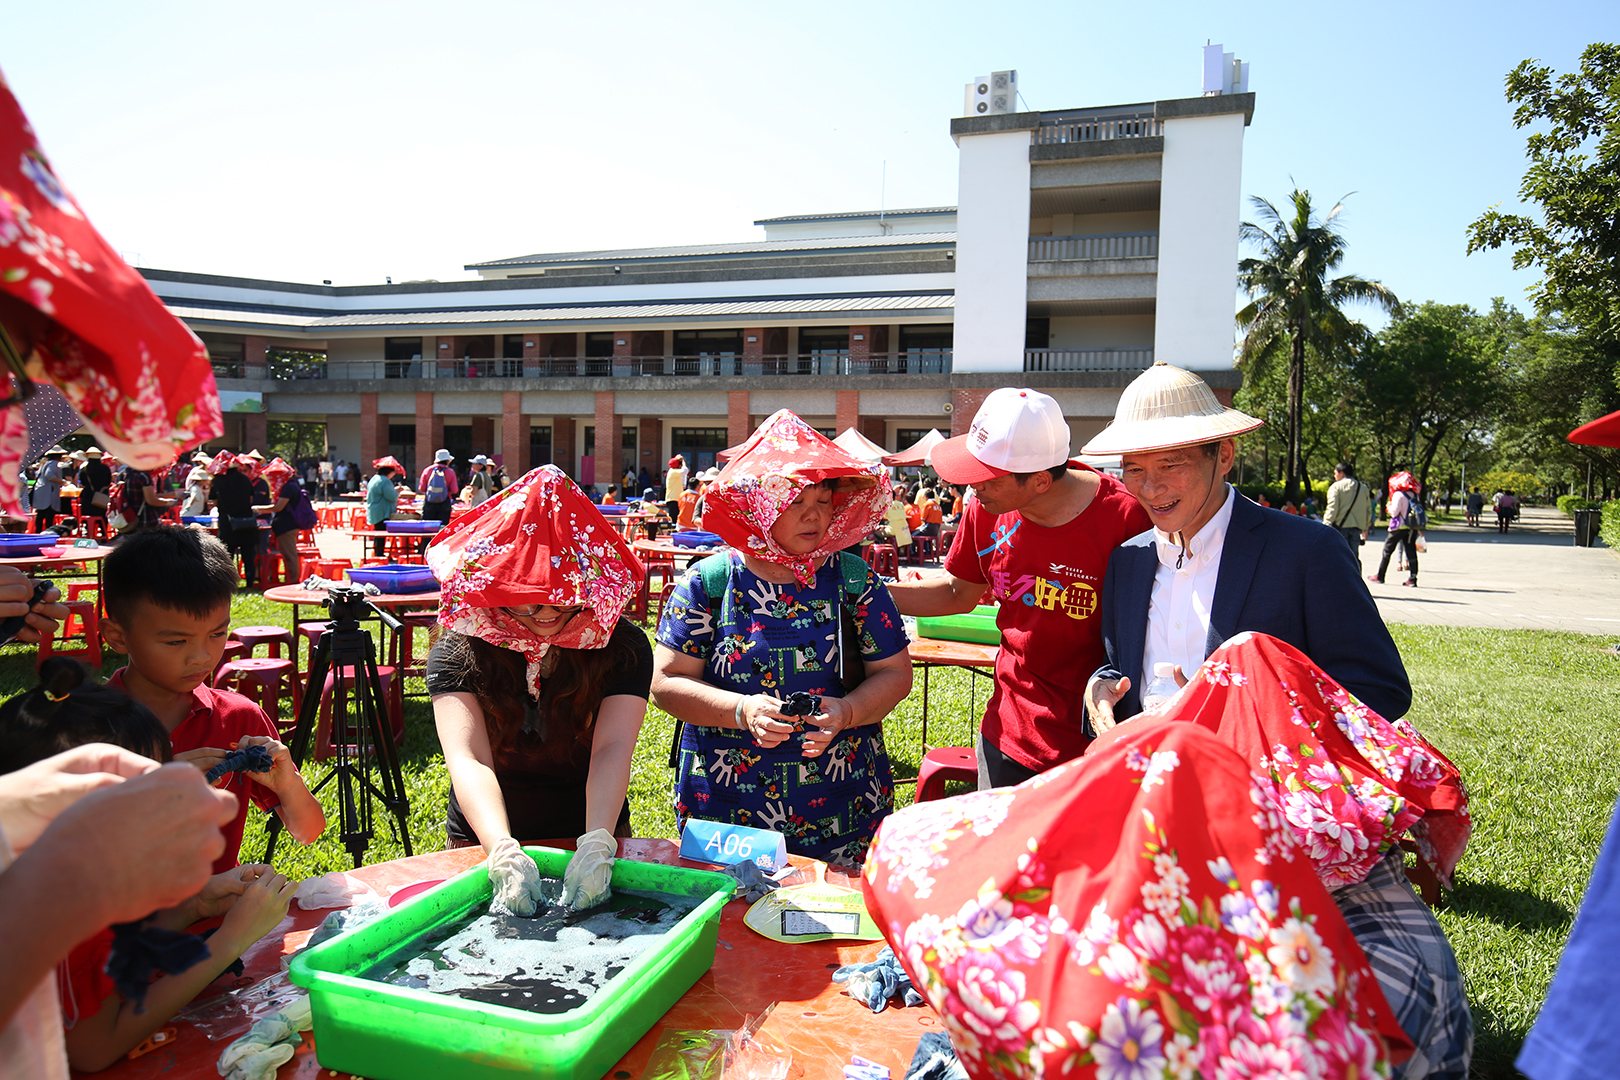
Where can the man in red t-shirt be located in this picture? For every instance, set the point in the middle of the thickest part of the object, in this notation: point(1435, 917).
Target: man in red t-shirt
point(1035, 536)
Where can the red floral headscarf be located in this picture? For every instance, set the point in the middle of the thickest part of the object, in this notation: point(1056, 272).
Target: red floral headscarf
point(254, 468)
point(275, 474)
point(140, 379)
point(223, 461)
point(1403, 481)
point(388, 462)
point(766, 474)
point(540, 541)
point(1345, 781)
point(1120, 916)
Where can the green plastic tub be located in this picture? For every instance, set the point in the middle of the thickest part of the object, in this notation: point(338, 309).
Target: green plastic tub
point(978, 625)
point(390, 1032)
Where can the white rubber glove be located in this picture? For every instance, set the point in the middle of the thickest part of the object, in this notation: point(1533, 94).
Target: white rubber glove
point(514, 876)
point(585, 882)
point(270, 1043)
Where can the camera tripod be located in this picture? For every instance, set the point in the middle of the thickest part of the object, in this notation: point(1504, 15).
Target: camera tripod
point(345, 647)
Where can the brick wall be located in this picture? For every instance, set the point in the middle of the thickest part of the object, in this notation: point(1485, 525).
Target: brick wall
point(651, 441)
point(255, 431)
point(849, 409)
point(483, 435)
point(429, 432)
point(254, 362)
point(860, 350)
point(873, 428)
point(738, 426)
point(964, 403)
point(562, 444)
point(514, 434)
point(373, 432)
point(609, 441)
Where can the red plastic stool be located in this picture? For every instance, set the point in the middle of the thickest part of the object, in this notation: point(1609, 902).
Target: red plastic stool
point(263, 680)
point(403, 654)
point(93, 527)
point(84, 622)
point(945, 763)
point(310, 633)
point(885, 559)
point(234, 650)
point(270, 569)
point(271, 637)
point(392, 698)
point(924, 547)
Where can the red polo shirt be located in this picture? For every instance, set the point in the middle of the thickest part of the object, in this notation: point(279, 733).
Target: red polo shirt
point(217, 719)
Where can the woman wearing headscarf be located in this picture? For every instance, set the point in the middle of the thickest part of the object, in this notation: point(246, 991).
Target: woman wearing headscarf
point(285, 491)
point(539, 687)
point(779, 614)
point(1403, 530)
point(382, 496)
point(231, 492)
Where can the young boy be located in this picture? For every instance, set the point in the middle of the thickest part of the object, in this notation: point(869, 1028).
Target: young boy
point(168, 594)
point(66, 711)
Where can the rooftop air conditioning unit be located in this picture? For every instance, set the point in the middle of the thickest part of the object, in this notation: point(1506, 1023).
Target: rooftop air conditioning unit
point(993, 93)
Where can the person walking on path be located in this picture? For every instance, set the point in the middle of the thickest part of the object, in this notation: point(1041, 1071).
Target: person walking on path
point(1475, 503)
point(1403, 530)
point(1507, 508)
point(438, 486)
point(1349, 507)
point(674, 484)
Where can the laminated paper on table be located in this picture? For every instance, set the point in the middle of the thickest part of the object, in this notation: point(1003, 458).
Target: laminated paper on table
point(812, 913)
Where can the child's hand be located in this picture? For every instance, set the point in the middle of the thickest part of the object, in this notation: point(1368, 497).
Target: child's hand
point(281, 762)
point(262, 905)
point(220, 894)
point(205, 758)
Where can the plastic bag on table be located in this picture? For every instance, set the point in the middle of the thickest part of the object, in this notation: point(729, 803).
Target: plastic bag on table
point(232, 1013)
point(688, 1055)
point(752, 1056)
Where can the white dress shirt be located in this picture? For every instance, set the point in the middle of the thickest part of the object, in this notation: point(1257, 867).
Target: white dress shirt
point(1179, 610)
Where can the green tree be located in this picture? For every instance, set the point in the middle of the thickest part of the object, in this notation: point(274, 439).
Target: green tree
point(1296, 304)
point(1558, 378)
point(1433, 376)
point(1574, 178)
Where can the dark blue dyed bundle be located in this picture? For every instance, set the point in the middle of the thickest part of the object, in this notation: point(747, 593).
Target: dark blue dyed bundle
point(139, 951)
point(247, 759)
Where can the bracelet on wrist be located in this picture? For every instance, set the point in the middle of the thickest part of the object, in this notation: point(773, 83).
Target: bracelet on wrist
point(736, 714)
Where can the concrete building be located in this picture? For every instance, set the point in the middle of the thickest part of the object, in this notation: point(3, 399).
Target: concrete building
point(1085, 242)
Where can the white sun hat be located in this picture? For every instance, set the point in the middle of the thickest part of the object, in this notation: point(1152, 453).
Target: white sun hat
point(1166, 407)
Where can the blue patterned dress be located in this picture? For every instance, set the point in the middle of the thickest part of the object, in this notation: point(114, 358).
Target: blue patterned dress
point(776, 639)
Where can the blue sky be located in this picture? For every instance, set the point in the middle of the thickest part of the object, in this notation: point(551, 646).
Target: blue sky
point(354, 141)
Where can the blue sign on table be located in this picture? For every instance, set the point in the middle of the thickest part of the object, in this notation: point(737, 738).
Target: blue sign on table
point(723, 843)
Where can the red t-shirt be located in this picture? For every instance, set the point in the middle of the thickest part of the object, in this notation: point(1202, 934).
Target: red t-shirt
point(82, 982)
point(1049, 583)
point(218, 718)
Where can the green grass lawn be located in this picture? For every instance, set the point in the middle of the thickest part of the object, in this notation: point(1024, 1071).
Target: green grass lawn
point(1528, 716)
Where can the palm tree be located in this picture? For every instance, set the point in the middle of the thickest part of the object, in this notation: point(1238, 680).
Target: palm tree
point(1296, 303)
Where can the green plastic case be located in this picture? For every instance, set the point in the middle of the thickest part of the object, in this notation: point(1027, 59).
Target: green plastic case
point(978, 625)
point(393, 1033)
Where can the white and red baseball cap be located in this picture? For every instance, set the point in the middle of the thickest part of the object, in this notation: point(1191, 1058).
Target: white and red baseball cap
point(1016, 430)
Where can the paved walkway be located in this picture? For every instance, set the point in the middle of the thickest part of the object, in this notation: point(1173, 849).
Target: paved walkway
point(1532, 578)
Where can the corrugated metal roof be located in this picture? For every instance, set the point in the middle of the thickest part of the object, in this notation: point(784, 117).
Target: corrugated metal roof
point(914, 211)
point(697, 251)
point(702, 309)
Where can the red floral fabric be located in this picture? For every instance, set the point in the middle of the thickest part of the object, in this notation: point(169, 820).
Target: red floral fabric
point(767, 472)
point(539, 541)
point(1345, 781)
point(222, 461)
point(388, 462)
point(140, 379)
point(275, 474)
point(1114, 918)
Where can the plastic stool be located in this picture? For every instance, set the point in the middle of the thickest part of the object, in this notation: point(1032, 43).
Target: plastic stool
point(403, 654)
point(924, 547)
point(945, 763)
point(262, 681)
point(269, 569)
point(392, 698)
point(309, 632)
point(234, 650)
point(271, 637)
point(93, 527)
point(83, 621)
point(884, 559)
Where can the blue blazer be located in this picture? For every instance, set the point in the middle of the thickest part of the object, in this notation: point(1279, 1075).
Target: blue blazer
point(1282, 575)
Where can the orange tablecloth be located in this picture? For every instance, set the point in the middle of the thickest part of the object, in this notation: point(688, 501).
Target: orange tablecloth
point(822, 1026)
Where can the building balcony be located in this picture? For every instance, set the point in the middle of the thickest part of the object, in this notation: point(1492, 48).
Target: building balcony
point(1130, 245)
point(1088, 359)
point(1098, 125)
point(904, 362)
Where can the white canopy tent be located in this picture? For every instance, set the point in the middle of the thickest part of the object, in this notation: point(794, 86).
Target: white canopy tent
point(860, 447)
point(917, 452)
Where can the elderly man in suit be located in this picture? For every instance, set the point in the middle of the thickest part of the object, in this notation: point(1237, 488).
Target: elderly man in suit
point(1214, 565)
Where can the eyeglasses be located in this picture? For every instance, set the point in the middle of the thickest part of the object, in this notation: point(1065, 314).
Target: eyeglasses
point(530, 610)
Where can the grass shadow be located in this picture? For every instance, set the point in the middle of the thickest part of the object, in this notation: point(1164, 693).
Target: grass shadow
point(1516, 909)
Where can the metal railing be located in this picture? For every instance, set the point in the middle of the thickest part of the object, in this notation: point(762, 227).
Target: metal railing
point(1087, 359)
point(1131, 245)
point(1094, 127)
point(899, 362)
point(226, 369)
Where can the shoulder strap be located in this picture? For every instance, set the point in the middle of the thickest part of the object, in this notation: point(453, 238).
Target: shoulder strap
point(854, 570)
point(716, 571)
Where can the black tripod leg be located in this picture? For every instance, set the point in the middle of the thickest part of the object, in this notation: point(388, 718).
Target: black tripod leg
point(389, 776)
point(308, 711)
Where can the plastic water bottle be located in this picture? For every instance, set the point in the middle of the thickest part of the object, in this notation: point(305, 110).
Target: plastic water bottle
point(1161, 689)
